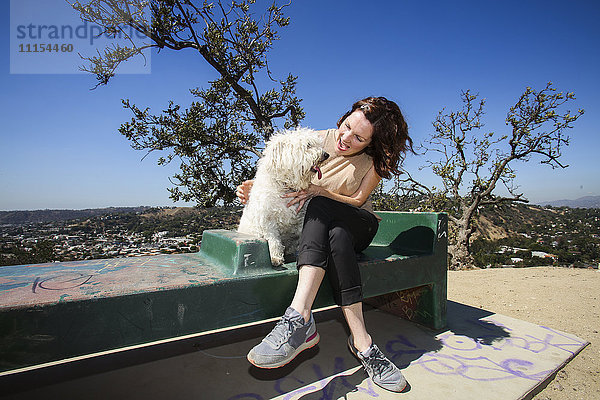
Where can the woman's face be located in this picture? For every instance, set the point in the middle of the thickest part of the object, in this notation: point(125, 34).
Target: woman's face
point(353, 135)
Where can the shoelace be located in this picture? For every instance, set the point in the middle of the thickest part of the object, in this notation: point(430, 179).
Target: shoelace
point(377, 362)
point(278, 335)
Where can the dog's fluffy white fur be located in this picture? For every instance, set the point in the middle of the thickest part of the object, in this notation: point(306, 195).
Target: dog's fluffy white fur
point(288, 163)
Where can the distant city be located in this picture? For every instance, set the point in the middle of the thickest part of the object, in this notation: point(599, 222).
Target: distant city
point(517, 235)
point(29, 237)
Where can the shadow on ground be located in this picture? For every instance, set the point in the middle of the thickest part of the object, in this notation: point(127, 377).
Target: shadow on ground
point(215, 366)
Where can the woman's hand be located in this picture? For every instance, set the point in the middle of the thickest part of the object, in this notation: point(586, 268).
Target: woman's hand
point(243, 191)
point(301, 196)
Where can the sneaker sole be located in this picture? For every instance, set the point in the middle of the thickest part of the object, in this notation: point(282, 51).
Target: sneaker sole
point(311, 342)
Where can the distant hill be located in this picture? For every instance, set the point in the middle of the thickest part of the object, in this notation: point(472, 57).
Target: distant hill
point(582, 202)
point(35, 216)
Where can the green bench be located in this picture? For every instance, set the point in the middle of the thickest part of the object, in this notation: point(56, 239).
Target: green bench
point(58, 312)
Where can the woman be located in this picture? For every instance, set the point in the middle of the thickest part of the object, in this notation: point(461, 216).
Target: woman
point(367, 146)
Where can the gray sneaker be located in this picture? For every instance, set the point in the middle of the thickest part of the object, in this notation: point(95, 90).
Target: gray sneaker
point(290, 336)
point(382, 371)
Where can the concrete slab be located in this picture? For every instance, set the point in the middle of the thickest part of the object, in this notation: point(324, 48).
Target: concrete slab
point(480, 355)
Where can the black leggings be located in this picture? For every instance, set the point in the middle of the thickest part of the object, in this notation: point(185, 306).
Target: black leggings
point(333, 233)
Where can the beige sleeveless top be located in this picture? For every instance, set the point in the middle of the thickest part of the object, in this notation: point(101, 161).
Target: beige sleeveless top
point(343, 175)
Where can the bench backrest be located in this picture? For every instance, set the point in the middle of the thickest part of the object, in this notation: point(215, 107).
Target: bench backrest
point(407, 233)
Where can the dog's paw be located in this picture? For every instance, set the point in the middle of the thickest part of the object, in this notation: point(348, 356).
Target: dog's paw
point(277, 260)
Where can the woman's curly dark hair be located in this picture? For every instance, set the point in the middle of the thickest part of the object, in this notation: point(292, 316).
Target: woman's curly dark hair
point(390, 140)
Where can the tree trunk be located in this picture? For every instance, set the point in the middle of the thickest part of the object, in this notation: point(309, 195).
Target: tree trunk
point(459, 251)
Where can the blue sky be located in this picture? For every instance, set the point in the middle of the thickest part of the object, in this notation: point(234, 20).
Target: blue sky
point(59, 141)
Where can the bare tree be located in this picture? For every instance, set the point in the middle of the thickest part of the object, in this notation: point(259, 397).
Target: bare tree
point(218, 138)
point(472, 163)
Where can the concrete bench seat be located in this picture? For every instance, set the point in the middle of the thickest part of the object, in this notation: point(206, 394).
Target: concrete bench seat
point(60, 311)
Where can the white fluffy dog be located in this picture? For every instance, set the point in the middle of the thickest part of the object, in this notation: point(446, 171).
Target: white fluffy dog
point(288, 163)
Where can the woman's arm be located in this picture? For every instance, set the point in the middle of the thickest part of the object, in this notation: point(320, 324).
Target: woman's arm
point(358, 198)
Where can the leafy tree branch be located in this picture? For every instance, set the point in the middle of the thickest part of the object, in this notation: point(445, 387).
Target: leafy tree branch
point(218, 138)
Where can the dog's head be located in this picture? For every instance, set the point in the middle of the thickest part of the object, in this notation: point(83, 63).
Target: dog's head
point(293, 157)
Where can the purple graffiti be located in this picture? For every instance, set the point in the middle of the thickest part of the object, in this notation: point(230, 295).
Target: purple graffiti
point(477, 357)
point(480, 369)
point(460, 354)
point(327, 386)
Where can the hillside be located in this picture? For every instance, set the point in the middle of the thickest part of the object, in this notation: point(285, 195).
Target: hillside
point(510, 234)
point(537, 235)
point(582, 202)
point(39, 216)
point(148, 231)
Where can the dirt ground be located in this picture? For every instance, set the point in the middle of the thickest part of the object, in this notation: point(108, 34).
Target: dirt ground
point(561, 298)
